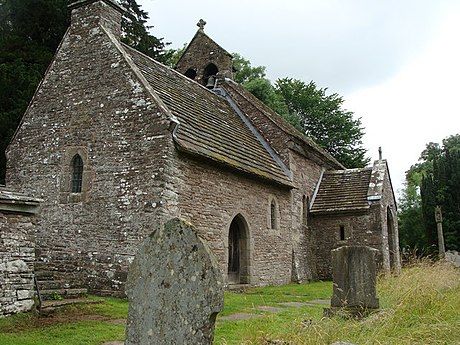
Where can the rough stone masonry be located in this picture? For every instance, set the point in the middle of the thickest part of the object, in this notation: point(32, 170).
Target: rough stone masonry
point(17, 252)
point(174, 287)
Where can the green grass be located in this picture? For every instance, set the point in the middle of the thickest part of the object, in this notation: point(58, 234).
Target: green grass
point(237, 332)
point(79, 324)
point(270, 296)
point(421, 306)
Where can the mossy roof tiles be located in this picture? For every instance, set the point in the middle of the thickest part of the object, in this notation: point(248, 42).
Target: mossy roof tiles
point(342, 191)
point(209, 126)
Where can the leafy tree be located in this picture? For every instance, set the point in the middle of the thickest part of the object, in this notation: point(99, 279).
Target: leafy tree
point(30, 31)
point(255, 81)
point(245, 72)
point(324, 119)
point(172, 56)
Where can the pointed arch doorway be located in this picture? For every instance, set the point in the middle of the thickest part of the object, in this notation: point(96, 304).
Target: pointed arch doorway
point(238, 252)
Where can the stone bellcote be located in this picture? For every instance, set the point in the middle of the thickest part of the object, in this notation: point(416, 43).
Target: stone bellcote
point(87, 14)
point(203, 58)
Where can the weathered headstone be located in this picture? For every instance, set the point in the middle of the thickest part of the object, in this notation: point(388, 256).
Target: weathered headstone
point(453, 257)
point(354, 272)
point(174, 287)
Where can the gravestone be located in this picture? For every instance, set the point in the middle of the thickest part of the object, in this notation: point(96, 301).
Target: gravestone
point(354, 272)
point(174, 288)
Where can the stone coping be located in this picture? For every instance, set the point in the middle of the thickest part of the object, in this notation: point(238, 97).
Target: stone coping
point(11, 201)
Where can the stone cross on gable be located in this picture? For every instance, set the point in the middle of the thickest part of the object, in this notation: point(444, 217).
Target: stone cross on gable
point(201, 24)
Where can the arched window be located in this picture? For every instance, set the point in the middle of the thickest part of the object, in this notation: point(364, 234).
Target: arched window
point(305, 206)
point(77, 173)
point(273, 215)
point(191, 73)
point(391, 238)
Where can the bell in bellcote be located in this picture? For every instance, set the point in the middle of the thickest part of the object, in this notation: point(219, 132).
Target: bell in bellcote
point(211, 82)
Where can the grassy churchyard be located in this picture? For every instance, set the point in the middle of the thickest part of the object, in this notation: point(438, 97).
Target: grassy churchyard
point(421, 306)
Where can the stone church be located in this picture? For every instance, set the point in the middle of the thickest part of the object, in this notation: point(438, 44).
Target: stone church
point(114, 142)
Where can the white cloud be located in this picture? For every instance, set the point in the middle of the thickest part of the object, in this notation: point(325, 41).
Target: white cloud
point(415, 107)
point(396, 62)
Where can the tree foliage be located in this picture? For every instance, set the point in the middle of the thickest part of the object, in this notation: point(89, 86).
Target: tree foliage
point(136, 32)
point(309, 109)
point(437, 182)
point(324, 119)
point(412, 233)
point(245, 72)
point(30, 32)
point(255, 81)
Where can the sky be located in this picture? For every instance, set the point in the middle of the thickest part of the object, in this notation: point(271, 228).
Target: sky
point(395, 62)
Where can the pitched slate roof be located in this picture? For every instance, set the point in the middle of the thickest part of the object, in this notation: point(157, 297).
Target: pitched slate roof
point(209, 126)
point(244, 98)
point(342, 191)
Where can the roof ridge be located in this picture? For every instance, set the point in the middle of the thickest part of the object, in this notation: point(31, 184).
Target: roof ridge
point(345, 171)
point(280, 122)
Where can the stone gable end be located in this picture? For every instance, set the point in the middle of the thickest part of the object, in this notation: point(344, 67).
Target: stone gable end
point(92, 102)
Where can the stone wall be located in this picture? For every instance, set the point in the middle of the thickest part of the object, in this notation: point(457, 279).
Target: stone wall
point(389, 225)
point(17, 253)
point(210, 198)
point(122, 134)
point(306, 175)
point(326, 232)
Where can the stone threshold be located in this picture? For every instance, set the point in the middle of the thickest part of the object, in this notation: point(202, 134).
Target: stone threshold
point(54, 304)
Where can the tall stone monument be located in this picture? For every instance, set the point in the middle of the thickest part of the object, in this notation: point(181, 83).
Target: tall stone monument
point(174, 287)
point(354, 273)
point(438, 218)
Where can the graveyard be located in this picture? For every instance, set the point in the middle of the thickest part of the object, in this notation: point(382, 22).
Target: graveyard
point(420, 306)
point(147, 202)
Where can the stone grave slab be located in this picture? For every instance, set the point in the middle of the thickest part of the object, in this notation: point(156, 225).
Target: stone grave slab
point(174, 288)
point(354, 272)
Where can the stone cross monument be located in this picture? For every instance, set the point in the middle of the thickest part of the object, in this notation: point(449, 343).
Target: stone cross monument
point(438, 217)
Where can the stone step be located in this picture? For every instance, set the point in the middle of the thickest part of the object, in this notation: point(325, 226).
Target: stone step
point(54, 294)
point(54, 304)
point(52, 284)
point(238, 287)
point(42, 266)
